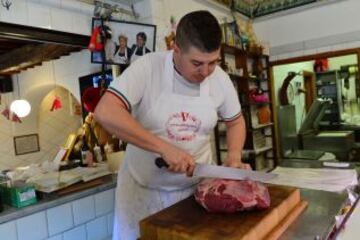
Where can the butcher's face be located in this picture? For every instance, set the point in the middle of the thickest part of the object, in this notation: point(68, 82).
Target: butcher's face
point(140, 41)
point(195, 65)
point(122, 42)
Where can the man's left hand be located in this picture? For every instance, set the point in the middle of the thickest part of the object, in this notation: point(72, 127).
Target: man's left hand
point(235, 162)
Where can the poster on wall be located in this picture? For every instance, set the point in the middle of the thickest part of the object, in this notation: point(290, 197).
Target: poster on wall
point(123, 42)
point(26, 144)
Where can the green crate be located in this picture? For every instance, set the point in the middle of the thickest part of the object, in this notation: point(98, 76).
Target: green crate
point(19, 196)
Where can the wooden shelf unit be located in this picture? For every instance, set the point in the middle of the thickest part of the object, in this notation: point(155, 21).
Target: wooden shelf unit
point(246, 74)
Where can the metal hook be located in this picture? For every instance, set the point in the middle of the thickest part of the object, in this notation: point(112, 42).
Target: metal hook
point(6, 4)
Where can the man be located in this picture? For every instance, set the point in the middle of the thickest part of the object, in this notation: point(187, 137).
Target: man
point(167, 104)
point(139, 49)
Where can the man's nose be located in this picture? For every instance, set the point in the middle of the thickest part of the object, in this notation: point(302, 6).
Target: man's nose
point(205, 70)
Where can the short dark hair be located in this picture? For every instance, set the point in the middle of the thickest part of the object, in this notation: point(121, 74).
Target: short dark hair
point(142, 35)
point(199, 29)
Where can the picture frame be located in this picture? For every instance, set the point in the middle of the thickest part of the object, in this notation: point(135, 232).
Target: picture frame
point(129, 32)
point(25, 144)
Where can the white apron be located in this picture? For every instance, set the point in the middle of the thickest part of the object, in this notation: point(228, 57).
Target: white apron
point(134, 56)
point(121, 59)
point(144, 189)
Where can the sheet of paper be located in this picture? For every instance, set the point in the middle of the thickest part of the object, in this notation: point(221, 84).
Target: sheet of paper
point(333, 180)
point(52, 181)
point(59, 156)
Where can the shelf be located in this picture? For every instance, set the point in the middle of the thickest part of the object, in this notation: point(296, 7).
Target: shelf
point(246, 77)
point(266, 169)
point(262, 126)
point(255, 55)
point(263, 149)
point(222, 133)
point(256, 104)
point(231, 49)
point(236, 77)
point(257, 79)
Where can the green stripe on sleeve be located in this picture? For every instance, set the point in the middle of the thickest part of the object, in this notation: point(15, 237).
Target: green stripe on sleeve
point(122, 96)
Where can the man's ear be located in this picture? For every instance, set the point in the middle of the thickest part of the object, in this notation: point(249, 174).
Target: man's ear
point(176, 48)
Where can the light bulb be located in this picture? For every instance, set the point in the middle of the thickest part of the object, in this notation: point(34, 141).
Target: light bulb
point(20, 107)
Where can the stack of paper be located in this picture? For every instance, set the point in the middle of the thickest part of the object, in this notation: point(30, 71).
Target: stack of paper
point(52, 181)
point(333, 180)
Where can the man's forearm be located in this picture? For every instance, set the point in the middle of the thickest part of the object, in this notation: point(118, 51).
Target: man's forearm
point(113, 116)
point(235, 136)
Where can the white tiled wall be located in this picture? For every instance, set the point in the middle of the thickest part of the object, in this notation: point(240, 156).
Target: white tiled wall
point(97, 228)
point(8, 230)
point(32, 227)
point(62, 15)
point(71, 221)
point(59, 219)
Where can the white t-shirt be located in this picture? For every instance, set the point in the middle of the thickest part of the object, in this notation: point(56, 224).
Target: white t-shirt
point(140, 84)
point(183, 87)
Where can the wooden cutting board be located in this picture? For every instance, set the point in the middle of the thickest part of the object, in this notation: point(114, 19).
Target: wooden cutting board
point(187, 220)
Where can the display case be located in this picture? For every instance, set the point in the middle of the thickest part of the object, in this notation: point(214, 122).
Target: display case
point(249, 72)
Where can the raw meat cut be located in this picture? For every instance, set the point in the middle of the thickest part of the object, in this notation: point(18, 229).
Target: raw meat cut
point(223, 195)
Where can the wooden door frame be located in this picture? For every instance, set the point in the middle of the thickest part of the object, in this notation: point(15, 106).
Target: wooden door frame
point(310, 89)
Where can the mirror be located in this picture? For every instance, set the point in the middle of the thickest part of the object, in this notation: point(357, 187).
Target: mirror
point(38, 80)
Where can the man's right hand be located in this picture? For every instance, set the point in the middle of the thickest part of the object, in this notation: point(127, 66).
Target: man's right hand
point(179, 161)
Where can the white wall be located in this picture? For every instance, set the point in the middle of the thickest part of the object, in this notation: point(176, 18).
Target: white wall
point(320, 29)
point(158, 12)
point(280, 73)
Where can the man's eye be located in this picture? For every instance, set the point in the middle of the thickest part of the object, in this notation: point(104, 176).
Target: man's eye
point(196, 64)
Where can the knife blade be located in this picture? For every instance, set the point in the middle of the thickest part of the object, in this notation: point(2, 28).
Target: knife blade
point(215, 171)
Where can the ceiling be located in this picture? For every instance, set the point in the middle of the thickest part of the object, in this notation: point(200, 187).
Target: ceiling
point(23, 47)
point(258, 8)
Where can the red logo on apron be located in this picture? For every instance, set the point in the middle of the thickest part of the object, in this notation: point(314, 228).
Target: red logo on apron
point(182, 126)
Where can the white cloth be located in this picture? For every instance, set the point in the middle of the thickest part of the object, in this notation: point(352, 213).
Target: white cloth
point(134, 57)
point(121, 59)
point(326, 179)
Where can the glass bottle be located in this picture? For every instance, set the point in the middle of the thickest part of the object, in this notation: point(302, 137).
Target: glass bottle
point(97, 153)
point(84, 153)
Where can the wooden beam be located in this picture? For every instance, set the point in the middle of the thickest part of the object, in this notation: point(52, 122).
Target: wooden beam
point(32, 55)
point(16, 31)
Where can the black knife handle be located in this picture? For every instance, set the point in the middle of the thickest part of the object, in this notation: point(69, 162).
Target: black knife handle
point(160, 162)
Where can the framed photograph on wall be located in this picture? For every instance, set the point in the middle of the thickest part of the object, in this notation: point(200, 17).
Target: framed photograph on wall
point(124, 42)
point(26, 144)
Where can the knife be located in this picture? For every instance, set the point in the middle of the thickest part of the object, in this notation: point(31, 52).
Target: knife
point(215, 171)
